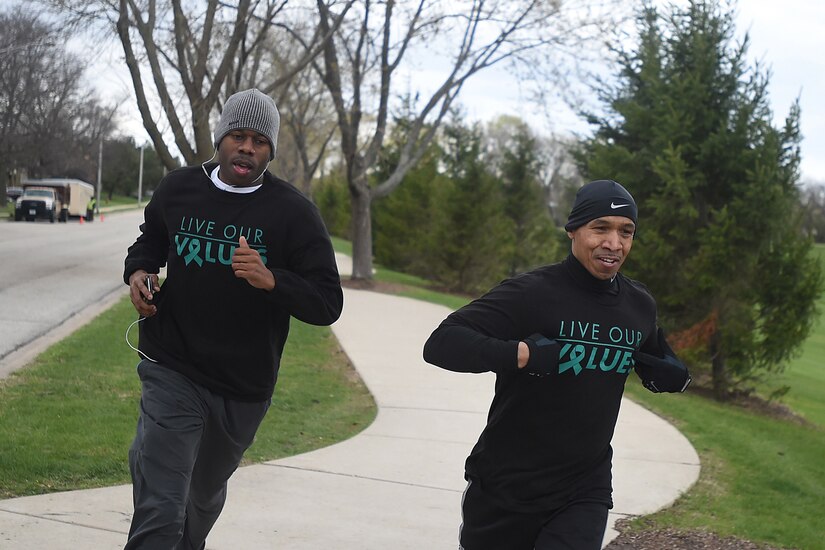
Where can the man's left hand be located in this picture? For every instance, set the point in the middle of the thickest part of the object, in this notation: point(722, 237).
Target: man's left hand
point(662, 374)
point(247, 264)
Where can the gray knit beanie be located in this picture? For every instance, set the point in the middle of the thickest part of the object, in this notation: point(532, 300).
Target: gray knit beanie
point(250, 110)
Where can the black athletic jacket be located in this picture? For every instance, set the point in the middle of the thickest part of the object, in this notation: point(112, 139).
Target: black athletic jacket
point(211, 326)
point(547, 438)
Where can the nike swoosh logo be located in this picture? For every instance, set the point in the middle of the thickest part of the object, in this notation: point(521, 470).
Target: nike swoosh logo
point(615, 206)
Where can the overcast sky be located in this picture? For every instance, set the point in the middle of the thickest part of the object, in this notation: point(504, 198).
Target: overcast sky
point(788, 36)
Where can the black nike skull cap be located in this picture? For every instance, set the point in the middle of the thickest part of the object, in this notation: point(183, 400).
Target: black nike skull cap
point(598, 199)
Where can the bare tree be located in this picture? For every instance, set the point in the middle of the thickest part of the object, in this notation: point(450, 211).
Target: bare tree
point(559, 174)
point(812, 203)
point(49, 120)
point(360, 68)
point(197, 53)
point(307, 117)
point(307, 128)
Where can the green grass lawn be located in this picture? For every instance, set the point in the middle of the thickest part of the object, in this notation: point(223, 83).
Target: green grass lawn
point(67, 420)
point(761, 478)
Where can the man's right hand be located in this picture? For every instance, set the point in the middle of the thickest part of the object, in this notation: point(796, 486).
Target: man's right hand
point(139, 293)
point(541, 357)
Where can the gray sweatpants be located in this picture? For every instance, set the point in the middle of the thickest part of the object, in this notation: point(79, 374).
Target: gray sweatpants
point(188, 443)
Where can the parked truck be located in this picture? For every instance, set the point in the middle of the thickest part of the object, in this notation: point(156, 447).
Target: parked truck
point(53, 199)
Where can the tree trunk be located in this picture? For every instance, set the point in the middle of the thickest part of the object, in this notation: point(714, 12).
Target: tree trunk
point(360, 203)
point(719, 371)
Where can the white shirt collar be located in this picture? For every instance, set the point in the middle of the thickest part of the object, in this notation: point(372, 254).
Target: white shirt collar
point(231, 189)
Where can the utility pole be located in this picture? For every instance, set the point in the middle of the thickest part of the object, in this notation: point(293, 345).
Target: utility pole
point(99, 175)
point(140, 177)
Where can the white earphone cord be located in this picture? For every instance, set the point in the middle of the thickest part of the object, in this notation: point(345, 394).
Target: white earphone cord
point(130, 343)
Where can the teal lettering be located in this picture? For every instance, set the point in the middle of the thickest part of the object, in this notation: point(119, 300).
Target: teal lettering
point(259, 236)
point(590, 364)
point(598, 357)
point(180, 246)
point(225, 259)
point(629, 335)
point(608, 367)
point(235, 232)
point(207, 255)
point(627, 360)
point(580, 330)
point(626, 336)
point(199, 226)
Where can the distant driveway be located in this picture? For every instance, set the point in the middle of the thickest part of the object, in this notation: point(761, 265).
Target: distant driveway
point(51, 272)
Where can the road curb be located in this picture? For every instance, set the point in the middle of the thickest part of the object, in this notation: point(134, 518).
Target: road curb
point(26, 353)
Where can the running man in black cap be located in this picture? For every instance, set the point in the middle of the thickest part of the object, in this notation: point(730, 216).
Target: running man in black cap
point(562, 340)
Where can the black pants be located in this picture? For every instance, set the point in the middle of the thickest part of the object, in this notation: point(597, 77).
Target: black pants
point(188, 443)
point(579, 525)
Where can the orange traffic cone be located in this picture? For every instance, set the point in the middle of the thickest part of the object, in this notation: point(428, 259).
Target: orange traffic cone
point(82, 220)
point(101, 218)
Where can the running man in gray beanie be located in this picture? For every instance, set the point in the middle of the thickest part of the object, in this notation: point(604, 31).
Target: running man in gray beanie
point(562, 340)
point(245, 252)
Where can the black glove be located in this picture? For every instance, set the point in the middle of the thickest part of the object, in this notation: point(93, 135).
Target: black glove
point(544, 356)
point(662, 374)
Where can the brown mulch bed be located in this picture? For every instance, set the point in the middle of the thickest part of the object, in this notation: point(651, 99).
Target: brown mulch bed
point(672, 539)
point(752, 402)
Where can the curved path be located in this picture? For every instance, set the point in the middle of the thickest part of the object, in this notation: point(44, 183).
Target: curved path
point(396, 485)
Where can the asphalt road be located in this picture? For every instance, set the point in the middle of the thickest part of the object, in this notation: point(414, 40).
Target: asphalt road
point(54, 277)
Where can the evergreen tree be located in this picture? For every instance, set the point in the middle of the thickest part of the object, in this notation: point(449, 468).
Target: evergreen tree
point(472, 230)
point(121, 168)
point(534, 241)
point(689, 133)
point(332, 198)
point(403, 221)
point(411, 224)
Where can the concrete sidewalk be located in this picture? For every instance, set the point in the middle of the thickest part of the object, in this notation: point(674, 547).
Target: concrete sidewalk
point(396, 485)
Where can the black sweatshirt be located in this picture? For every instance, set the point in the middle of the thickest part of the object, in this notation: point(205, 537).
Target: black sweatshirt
point(215, 328)
point(547, 439)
